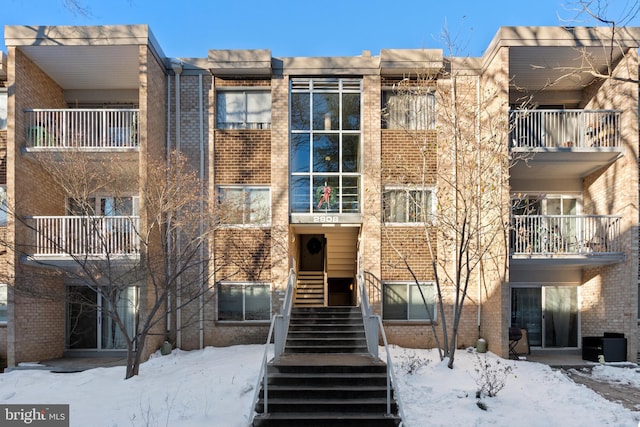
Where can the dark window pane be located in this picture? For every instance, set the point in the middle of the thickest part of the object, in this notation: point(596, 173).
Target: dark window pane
point(230, 302)
point(300, 194)
point(351, 153)
point(300, 111)
point(326, 153)
point(351, 111)
point(394, 303)
point(257, 302)
point(326, 111)
point(300, 152)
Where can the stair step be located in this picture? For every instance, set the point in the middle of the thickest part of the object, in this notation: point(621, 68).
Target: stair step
point(327, 405)
point(293, 419)
point(293, 391)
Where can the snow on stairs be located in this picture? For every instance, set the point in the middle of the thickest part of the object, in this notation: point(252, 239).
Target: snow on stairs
point(326, 377)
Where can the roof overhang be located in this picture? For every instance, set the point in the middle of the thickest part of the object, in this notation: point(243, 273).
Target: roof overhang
point(560, 58)
point(86, 57)
point(251, 62)
point(395, 62)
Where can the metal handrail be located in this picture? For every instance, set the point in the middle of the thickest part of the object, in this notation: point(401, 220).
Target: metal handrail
point(278, 330)
point(373, 329)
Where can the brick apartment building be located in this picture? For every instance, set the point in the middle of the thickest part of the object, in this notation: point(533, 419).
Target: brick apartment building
point(343, 165)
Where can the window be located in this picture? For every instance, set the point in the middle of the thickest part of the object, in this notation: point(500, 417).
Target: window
point(3, 303)
point(244, 205)
point(410, 111)
point(325, 145)
point(407, 205)
point(243, 109)
point(403, 301)
point(244, 301)
point(103, 206)
point(3, 108)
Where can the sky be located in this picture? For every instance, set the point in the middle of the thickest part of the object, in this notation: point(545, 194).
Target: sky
point(214, 387)
point(189, 28)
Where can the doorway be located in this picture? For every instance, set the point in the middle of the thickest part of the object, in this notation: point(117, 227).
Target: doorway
point(550, 315)
point(89, 324)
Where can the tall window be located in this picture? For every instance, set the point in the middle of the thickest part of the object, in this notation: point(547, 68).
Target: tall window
point(243, 109)
point(410, 111)
point(3, 205)
point(407, 205)
point(325, 140)
point(404, 301)
point(244, 205)
point(244, 301)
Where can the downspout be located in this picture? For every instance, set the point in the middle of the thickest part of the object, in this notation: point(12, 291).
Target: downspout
point(202, 284)
point(176, 65)
point(479, 198)
point(168, 242)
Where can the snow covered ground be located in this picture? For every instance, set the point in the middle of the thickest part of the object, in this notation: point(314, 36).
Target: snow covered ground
point(214, 387)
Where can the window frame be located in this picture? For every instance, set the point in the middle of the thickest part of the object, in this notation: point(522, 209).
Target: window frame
point(244, 124)
point(244, 285)
point(342, 175)
point(246, 189)
point(430, 204)
point(408, 286)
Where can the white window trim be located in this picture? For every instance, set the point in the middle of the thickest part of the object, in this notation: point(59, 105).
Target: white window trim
point(266, 224)
point(245, 90)
point(408, 283)
point(243, 284)
point(432, 209)
point(4, 93)
point(543, 197)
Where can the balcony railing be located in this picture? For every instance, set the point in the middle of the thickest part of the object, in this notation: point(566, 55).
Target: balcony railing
point(564, 128)
point(82, 128)
point(67, 236)
point(565, 234)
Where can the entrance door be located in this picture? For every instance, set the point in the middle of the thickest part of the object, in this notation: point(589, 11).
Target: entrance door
point(548, 313)
point(91, 326)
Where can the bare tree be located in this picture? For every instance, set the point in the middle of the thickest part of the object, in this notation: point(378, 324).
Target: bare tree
point(461, 156)
point(145, 265)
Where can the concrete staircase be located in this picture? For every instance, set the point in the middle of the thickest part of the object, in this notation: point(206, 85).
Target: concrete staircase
point(309, 289)
point(326, 377)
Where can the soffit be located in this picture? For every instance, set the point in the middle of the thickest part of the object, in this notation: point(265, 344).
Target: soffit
point(88, 67)
point(556, 67)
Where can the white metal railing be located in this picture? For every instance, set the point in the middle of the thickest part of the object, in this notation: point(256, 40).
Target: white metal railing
point(82, 128)
point(373, 331)
point(86, 235)
point(567, 234)
point(278, 330)
point(564, 128)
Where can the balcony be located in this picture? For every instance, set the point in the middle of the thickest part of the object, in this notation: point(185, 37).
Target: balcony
point(566, 239)
point(82, 129)
point(563, 143)
point(99, 237)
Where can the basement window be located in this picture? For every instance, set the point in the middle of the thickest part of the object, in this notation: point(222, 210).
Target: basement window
point(239, 302)
point(403, 301)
